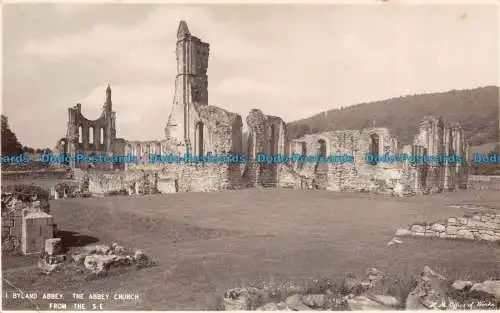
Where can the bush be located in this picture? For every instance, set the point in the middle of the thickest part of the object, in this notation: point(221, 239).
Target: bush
point(25, 193)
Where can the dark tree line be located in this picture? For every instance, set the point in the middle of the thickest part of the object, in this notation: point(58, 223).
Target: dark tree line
point(10, 143)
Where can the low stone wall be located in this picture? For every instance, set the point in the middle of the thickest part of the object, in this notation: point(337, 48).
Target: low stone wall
point(49, 173)
point(130, 182)
point(207, 177)
point(481, 182)
point(476, 226)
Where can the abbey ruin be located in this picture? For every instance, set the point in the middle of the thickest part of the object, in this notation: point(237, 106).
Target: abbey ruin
point(198, 128)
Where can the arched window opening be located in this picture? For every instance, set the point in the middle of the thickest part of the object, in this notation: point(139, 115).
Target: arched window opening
point(101, 140)
point(80, 134)
point(138, 152)
point(91, 135)
point(321, 166)
point(199, 139)
point(322, 148)
point(272, 141)
point(374, 148)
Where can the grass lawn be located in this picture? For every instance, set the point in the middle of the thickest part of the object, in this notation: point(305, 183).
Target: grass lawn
point(206, 243)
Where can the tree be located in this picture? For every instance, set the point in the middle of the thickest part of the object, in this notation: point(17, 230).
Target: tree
point(28, 150)
point(10, 144)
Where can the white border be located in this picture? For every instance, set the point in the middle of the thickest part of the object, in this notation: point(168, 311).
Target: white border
point(284, 2)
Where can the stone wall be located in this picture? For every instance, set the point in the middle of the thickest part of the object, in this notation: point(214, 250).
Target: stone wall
point(46, 173)
point(477, 226)
point(350, 170)
point(403, 178)
point(267, 135)
point(130, 182)
point(200, 177)
point(91, 137)
point(17, 201)
point(482, 182)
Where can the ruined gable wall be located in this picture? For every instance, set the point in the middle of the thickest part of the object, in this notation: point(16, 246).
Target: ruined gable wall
point(257, 143)
point(191, 91)
point(267, 135)
point(89, 143)
point(222, 130)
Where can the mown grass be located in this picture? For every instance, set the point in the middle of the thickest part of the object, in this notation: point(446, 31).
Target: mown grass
point(206, 243)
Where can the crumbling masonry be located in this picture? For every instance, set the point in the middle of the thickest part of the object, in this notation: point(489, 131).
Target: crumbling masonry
point(198, 128)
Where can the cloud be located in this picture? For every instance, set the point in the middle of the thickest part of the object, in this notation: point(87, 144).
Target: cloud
point(288, 60)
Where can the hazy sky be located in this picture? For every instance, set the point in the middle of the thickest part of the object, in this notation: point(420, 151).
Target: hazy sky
point(288, 60)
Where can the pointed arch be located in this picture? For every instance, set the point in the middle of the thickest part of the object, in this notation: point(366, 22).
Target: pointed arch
point(80, 134)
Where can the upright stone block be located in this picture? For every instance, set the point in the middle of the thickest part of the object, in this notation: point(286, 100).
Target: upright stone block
point(53, 246)
point(34, 231)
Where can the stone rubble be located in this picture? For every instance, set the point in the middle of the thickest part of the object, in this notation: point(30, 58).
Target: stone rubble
point(432, 291)
point(491, 287)
point(482, 226)
point(97, 259)
point(461, 285)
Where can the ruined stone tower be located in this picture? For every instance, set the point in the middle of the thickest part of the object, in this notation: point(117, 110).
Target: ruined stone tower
point(91, 137)
point(184, 129)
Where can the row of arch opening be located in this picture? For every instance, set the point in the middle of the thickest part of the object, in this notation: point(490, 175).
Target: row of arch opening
point(91, 135)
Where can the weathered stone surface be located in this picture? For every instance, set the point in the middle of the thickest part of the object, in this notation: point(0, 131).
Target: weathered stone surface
point(461, 284)
point(395, 240)
point(373, 271)
point(491, 287)
point(418, 229)
point(438, 227)
point(366, 284)
point(463, 227)
point(47, 268)
point(487, 237)
point(351, 284)
point(452, 221)
point(281, 306)
point(402, 232)
point(314, 300)
point(116, 248)
point(53, 246)
point(79, 258)
point(237, 299)
point(96, 249)
point(362, 303)
point(465, 234)
point(389, 301)
point(429, 292)
point(295, 303)
point(98, 263)
point(237, 304)
point(451, 230)
point(140, 256)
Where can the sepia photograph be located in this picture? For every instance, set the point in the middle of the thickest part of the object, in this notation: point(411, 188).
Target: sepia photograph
point(226, 156)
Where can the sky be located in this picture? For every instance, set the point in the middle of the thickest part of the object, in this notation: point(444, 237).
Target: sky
point(289, 60)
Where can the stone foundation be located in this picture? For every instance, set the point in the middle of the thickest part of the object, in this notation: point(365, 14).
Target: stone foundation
point(482, 182)
point(130, 182)
point(477, 226)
